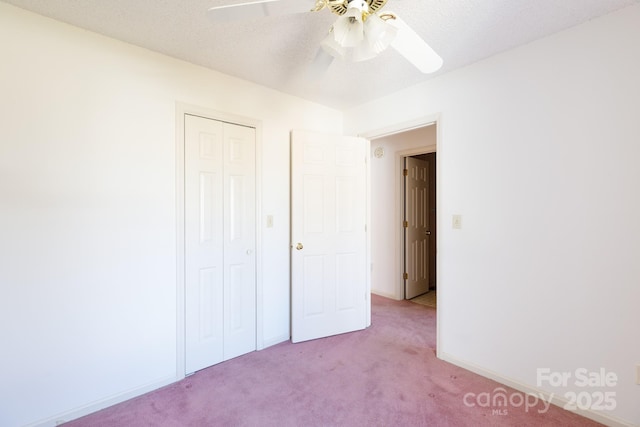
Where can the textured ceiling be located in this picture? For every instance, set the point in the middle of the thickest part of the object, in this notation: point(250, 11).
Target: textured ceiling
point(276, 51)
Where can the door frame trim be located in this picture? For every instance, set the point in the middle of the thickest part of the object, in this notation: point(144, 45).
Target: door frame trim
point(396, 128)
point(181, 110)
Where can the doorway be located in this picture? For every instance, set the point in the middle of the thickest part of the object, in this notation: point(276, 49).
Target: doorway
point(389, 147)
point(387, 203)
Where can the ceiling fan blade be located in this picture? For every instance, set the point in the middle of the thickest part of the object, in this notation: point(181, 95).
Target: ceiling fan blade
point(415, 50)
point(320, 65)
point(259, 9)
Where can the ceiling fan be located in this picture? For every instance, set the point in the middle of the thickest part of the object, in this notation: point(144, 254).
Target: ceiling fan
point(361, 31)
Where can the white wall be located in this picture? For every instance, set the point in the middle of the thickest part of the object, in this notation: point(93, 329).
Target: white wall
point(385, 224)
point(538, 152)
point(88, 211)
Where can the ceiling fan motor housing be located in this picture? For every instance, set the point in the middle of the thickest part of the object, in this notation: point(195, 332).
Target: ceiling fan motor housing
point(340, 8)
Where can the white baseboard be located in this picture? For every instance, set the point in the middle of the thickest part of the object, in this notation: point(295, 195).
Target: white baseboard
point(386, 295)
point(102, 404)
point(276, 340)
point(600, 417)
point(121, 397)
point(76, 413)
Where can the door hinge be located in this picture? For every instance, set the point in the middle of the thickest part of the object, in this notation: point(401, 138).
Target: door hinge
point(405, 224)
point(405, 172)
point(405, 276)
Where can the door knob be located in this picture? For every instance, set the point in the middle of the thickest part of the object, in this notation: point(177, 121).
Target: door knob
point(299, 246)
point(428, 233)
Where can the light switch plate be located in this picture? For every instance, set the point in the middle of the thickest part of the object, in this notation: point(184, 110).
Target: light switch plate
point(269, 221)
point(457, 222)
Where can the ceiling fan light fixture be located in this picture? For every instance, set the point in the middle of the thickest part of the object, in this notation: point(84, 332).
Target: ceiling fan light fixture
point(348, 29)
point(360, 34)
point(378, 34)
point(361, 52)
point(332, 47)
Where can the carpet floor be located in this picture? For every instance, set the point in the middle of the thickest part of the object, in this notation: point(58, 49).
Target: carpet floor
point(386, 375)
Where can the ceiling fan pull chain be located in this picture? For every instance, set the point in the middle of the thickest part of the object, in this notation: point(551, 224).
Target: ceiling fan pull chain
point(387, 16)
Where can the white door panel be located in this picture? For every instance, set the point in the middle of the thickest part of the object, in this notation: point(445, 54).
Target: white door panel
point(203, 249)
point(416, 237)
point(219, 241)
point(328, 219)
point(239, 238)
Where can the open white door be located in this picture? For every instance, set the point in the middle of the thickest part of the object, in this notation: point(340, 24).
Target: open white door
point(416, 227)
point(328, 232)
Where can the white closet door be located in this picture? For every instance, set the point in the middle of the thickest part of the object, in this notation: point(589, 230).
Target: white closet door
point(220, 241)
point(239, 241)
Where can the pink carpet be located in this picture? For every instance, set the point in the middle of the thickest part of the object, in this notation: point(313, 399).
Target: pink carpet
point(387, 375)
